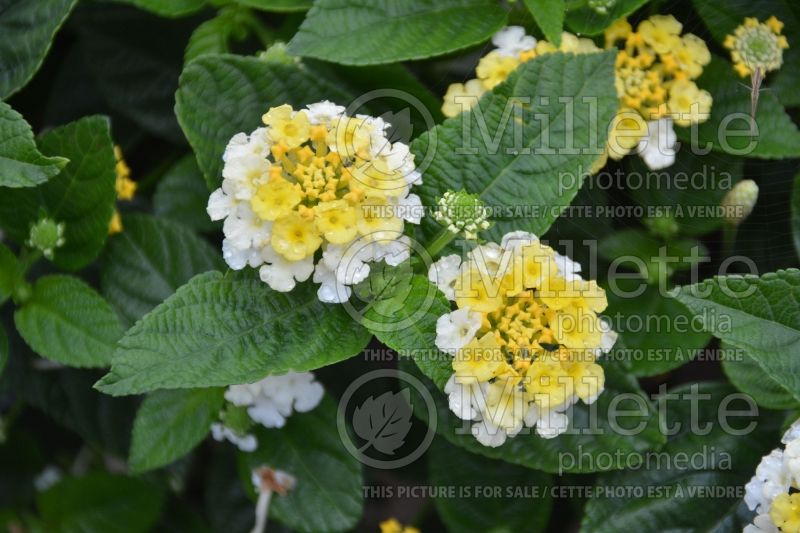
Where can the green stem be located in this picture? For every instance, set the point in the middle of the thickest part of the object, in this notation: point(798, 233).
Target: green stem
point(728, 239)
point(443, 239)
point(254, 24)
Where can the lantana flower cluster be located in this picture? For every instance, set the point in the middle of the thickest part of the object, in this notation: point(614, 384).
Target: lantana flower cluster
point(655, 72)
point(773, 490)
point(757, 46)
point(525, 337)
point(316, 192)
point(268, 402)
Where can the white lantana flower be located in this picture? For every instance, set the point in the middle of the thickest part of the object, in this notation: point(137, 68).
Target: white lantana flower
point(246, 442)
point(512, 41)
point(657, 148)
point(273, 399)
point(315, 180)
point(455, 330)
point(269, 402)
point(772, 492)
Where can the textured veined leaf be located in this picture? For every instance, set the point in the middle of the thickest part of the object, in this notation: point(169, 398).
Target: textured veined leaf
point(526, 146)
point(149, 260)
point(21, 163)
point(757, 314)
point(407, 324)
point(361, 32)
point(170, 423)
point(747, 376)
point(692, 483)
point(328, 477)
point(81, 196)
point(28, 28)
point(222, 95)
point(220, 330)
point(65, 320)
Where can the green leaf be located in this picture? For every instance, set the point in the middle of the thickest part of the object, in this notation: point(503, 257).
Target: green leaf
point(66, 396)
point(100, 502)
point(10, 273)
point(21, 163)
point(689, 191)
point(748, 377)
point(81, 196)
point(220, 96)
point(220, 330)
point(146, 263)
point(508, 509)
point(170, 423)
point(558, 455)
point(135, 59)
point(215, 35)
point(632, 244)
point(584, 20)
point(328, 476)
point(28, 28)
point(729, 128)
point(757, 314)
point(796, 213)
point(718, 463)
point(65, 320)
point(658, 333)
point(530, 188)
point(354, 32)
point(168, 8)
point(278, 5)
point(549, 16)
point(182, 196)
point(404, 318)
point(722, 19)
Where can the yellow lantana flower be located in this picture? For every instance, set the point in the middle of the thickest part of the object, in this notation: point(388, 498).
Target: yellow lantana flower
point(276, 198)
point(481, 359)
point(785, 512)
point(336, 220)
point(294, 237)
point(688, 104)
point(462, 96)
point(392, 525)
point(286, 126)
point(660, 32)
point(494, 68)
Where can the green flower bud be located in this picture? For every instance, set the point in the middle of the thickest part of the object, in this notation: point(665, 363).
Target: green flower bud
point(236, 418)
point(278, 53)
point(46, 235)
point(462, 212)
point(739, 202)
point(662, 226)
